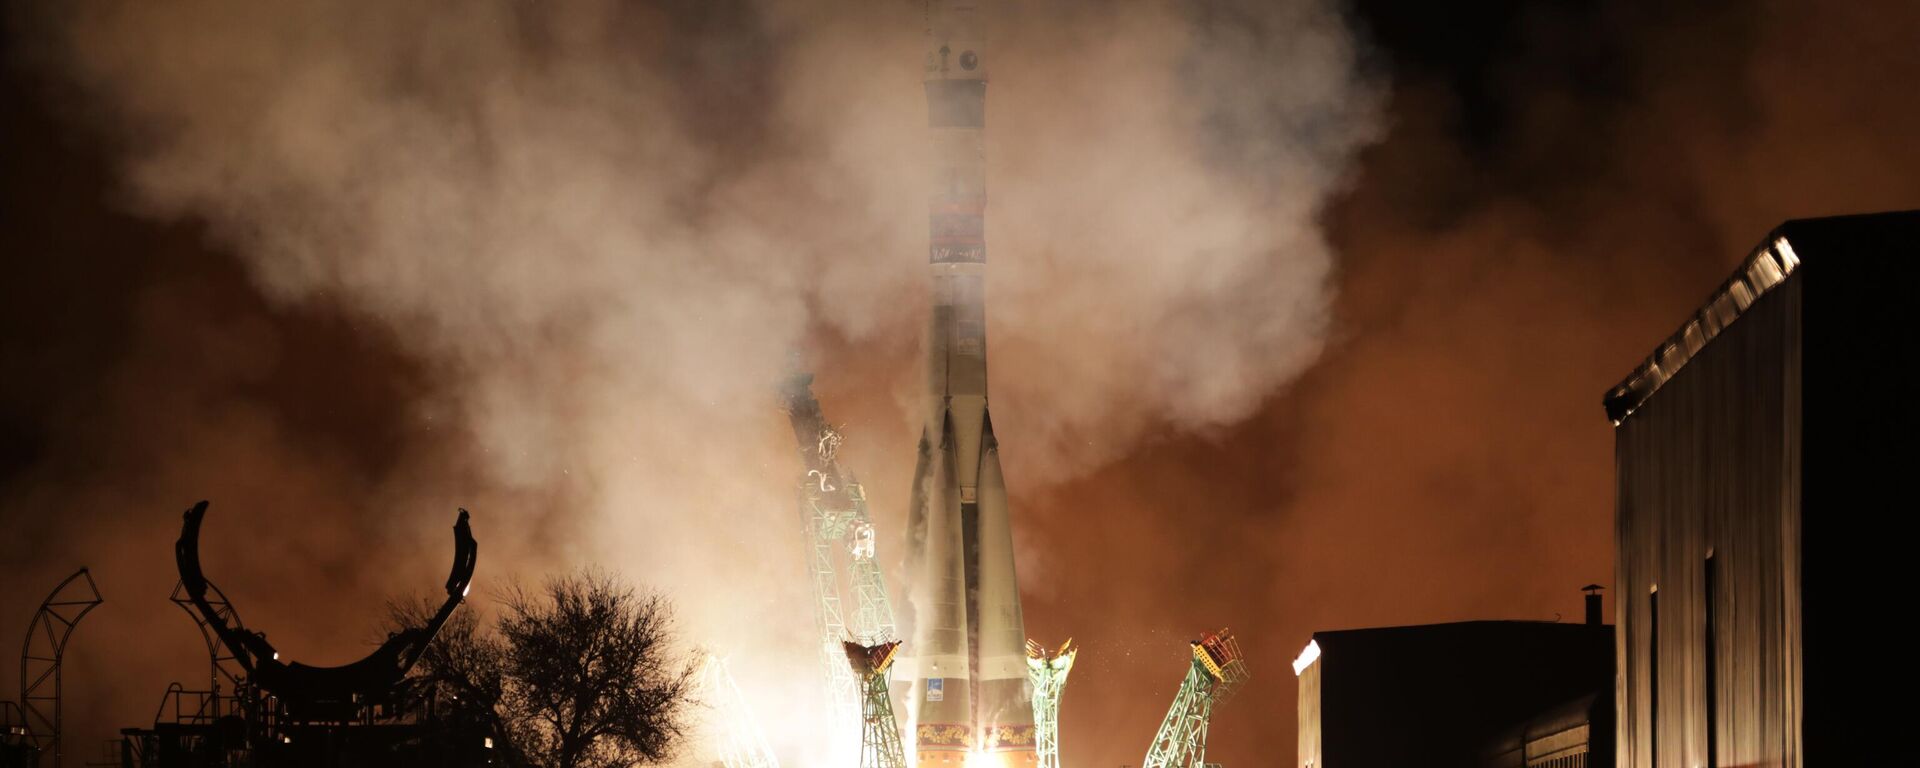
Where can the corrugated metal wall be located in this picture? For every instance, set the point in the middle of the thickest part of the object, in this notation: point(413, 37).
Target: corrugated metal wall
point(1711, 465)
point(1309, 717)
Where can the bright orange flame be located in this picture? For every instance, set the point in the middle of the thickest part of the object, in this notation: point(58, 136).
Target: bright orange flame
point(983, 760)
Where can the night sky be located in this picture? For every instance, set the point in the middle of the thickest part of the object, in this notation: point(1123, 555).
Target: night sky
point(1512, 203)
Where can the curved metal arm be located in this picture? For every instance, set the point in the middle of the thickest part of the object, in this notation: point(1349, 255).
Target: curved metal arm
point(247, 647)
point(301, 685)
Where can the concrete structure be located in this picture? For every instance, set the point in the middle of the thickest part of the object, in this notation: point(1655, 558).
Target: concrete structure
point(970, 692)
point(1445, 695)
point(1759, 451)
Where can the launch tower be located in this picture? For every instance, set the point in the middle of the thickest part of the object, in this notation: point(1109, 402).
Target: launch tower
point(879, 731)
point(1216, 670)
point(742, 743)
point(1047, 671)
point(833, 510)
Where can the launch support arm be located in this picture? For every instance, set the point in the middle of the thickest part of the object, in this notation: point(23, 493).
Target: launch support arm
point(299, 684)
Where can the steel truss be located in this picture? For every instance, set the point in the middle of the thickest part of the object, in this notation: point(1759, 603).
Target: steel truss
point(742, 743)
point(1214, 672)
point(1047, 671)
point(838, 530)
point(41, 655)
point(879, 730)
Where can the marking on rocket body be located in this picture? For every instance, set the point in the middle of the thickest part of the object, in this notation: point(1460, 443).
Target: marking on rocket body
point(943, 254)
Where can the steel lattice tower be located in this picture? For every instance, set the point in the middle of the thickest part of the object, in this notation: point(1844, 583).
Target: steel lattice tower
point(873, 621)
point(742, 743)
point(1048, 674)
point(833, 510)
point(879, 731)
point(1215, 671)
point(824, 529)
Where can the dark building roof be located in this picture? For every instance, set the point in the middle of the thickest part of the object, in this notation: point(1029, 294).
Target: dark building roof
point(1441, 694)
point(1772, 262)
point(1464, 630)
point(1457, 648)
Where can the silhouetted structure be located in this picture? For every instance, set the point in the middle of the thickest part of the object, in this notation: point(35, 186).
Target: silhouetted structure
point(283, 713)
point(1757, 449)
point(31, 730)
point(1447, 695)
point(16, 749)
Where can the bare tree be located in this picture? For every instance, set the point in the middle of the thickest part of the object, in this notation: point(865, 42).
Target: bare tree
point(464, 673)
point(582, 673)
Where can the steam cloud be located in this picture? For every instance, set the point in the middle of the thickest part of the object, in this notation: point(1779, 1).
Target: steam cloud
point(1560, 184)
point(602, 226)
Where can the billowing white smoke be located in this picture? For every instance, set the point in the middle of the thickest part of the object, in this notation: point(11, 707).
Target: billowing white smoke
point(606, 224)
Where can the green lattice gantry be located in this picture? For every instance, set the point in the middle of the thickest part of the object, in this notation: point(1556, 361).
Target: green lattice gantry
point(1214, 672)
point(839, 536)
point(742, 743)
point(879, 730)
point(1047, 671)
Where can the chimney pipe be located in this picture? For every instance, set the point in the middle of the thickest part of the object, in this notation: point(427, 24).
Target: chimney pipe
point(1593, 604)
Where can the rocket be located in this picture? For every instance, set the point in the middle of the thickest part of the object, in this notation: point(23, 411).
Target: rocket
point(970, 692)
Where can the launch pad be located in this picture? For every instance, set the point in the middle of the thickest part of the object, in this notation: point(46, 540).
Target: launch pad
point(977, 692)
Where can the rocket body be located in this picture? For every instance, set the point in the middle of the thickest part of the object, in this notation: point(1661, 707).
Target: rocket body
point(970, 692)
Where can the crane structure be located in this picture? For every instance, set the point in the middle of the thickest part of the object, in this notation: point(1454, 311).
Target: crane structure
point(1214, 672)
point(838, 529)
point(742, 743)
point(1047, 671)
point(879, 730)
point(41, 656)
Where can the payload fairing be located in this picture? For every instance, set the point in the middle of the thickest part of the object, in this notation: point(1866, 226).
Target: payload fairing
point(970, 693)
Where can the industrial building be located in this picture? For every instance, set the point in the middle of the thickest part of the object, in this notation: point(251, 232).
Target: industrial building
point(1759, 449)
point(1458, 694)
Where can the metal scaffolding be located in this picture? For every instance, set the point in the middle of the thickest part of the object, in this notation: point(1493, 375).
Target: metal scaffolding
point(742, 743)
point(879, 730)
point(263, 710)
point(831, 623)
point(1215, 671)
point(226, 679)
point(838, 529)
point(41, 654)
point(1047, 671)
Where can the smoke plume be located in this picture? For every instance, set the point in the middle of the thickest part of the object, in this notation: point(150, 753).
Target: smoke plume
point(544, 263)
point(584, 237)
point(1562, 183)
